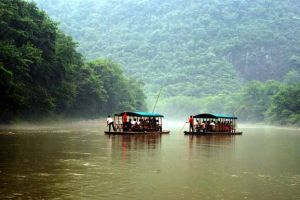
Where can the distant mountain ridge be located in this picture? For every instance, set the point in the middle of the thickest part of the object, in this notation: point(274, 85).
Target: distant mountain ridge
point(191, 48)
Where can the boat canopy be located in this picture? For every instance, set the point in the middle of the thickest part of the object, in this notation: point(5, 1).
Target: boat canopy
point(140, 114)
point(214, 116)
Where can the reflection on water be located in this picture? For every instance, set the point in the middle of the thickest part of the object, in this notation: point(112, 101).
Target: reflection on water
point(214, 140)
point(84, 163)
point(131, 143)
point(151, 141)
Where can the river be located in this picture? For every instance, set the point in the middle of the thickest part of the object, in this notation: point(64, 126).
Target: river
point(78, 161)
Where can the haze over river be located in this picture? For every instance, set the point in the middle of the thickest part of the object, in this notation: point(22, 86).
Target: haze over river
point(77, 161)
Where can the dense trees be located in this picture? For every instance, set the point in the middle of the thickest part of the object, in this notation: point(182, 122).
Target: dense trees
point(199, 41)
point(42, 74)
point(223, 56)
point(272, 102)
point(255, 99)
point(285, 106)
point(202, 52)
point(122, 93)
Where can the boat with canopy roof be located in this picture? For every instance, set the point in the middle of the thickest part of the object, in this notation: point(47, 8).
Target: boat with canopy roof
point(138, 123)
point(213, 124)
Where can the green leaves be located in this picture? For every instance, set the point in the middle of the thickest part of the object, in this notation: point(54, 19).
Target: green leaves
point(123, 93)
point(42, 74)
point(285, 105)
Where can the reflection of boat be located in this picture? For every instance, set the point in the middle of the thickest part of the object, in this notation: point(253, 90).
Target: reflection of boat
point(133, 123)
point(127, 144)
point(136, 141)
point(213, 124)
point(221, 140)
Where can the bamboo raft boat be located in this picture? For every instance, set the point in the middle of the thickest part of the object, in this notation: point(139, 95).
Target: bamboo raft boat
point(213, 124)
point(212, 133)
point(135, 132)
point(137, 123)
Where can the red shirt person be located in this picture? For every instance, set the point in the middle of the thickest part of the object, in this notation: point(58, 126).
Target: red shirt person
point(191, 121)
point(124, 121)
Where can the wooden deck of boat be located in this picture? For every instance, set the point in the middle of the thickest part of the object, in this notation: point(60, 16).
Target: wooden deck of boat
point(212, 133)
point(136, 133)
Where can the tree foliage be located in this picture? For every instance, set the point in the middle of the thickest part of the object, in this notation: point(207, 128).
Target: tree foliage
point(224, 56)
point(209, 56)
point(192, 48)
point(42, 74)
point(285, 105)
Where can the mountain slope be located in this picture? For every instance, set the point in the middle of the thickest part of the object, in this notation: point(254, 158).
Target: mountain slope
point(191, 48)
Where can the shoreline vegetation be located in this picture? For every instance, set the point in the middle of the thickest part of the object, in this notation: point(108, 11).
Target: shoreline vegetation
point(43, 76)
point(233, 57)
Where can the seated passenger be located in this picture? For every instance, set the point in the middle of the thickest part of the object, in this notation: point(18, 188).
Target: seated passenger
point(134, 125)
point(203, 126)
point(129, 125)
point(157, 125)
point(198, 125)
point(212, 126)
point(133, 122)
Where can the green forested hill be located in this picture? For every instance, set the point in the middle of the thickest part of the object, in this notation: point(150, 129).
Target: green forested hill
point(194, 47)
point(233, 56)
point(42, 74)
point(204, 53)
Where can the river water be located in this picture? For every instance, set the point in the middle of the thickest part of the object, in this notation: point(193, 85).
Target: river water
point(80, 162)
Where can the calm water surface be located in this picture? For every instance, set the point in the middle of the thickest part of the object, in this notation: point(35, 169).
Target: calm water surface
point(83, 163)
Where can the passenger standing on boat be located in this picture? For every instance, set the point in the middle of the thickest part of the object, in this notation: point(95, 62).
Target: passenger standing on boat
point(191, 121)
point(110, 123)
point(124, 121)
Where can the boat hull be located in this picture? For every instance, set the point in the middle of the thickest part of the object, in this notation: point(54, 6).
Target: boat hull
point(212, 133)
point(136, 133)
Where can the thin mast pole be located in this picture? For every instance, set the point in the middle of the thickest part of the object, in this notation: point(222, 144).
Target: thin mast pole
point(157, 99)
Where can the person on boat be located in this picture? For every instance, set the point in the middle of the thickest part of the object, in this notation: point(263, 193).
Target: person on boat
point(213, 126)
point(134, 124)
point(157, 127)
point(208, 127)
point(124, 121)
point(203, 126)
point(226, 127)
point(110, 123)
point(218, 126)
point(119, 126)
point(233, 127)
point(140, 123)
point(198, 125)
point(191, 121)
point(222, 127)
point(152, 122)
point(129, 125)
